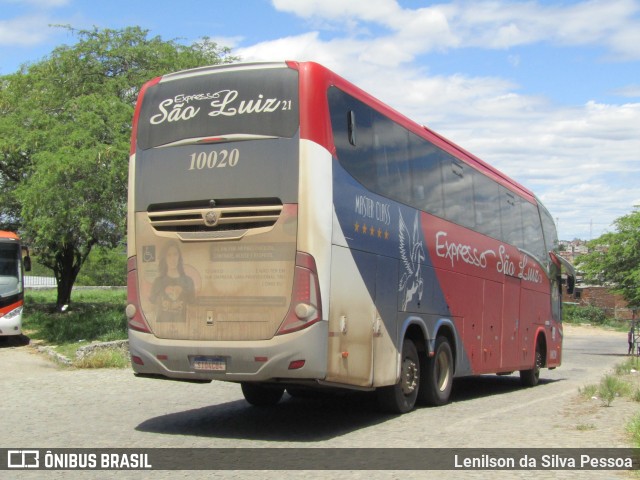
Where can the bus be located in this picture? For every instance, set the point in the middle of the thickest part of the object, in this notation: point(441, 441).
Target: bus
point(288, 231)
point(14, 260)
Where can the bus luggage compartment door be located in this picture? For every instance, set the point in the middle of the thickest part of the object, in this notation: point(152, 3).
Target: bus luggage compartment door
point(352, 314)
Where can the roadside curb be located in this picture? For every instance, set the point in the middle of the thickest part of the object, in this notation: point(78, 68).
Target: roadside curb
point(83, 352)
point(55, 356)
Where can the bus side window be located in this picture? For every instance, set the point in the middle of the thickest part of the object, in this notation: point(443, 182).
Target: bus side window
point(511, 217)
point(459, 204)
point(487, 199)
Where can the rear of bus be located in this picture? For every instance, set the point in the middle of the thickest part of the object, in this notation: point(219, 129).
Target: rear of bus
point(218, 287)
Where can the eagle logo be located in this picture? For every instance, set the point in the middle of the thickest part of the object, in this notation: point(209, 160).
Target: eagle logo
point(412, 255)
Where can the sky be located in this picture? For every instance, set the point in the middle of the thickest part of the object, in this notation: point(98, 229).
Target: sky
point(546, 91)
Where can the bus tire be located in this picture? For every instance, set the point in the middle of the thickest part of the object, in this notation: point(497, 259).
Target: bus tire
point(261, 395)
point(437, 375)
point(531, 377)
point(401, 397)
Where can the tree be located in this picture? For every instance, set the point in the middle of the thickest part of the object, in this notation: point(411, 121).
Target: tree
point(615, 258)
point(65, 124)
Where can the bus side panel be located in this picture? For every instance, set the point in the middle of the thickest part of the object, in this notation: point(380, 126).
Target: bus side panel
point(461, 293)
point(535, 314)
point(315, 212)
point(363, 343)
point(492, 326)
point(511, 353)
point(499, 290)
point(385, 327)
point(351, 316)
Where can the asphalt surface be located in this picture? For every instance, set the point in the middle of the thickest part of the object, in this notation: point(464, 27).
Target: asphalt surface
point(43, 405)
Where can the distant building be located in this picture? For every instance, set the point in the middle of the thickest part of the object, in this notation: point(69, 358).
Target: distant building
point(602, 297)
point(571, 250)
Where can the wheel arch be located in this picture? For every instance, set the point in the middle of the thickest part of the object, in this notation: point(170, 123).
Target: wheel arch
point(541, 339)
point(415, 329)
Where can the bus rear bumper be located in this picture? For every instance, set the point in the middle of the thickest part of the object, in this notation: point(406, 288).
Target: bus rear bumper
point(295, 356)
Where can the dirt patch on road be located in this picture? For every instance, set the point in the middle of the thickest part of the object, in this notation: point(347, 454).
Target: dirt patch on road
point(573, 329)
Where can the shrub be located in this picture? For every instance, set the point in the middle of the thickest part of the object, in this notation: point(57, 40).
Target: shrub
point(584, 314)
point(610, 388)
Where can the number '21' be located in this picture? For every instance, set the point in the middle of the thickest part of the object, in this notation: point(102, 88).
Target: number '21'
point(221, 159)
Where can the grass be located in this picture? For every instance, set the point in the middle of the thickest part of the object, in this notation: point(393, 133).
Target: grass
point(611, 386)
point(588, 391)
point(94, 315)
point(585, 426)
point(106, 358)
point(619, 384)
point(634, 429)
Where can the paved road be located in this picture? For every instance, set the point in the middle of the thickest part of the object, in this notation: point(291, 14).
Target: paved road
point(45, 406)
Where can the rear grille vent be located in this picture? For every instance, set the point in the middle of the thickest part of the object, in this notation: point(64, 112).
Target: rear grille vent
point(213, 222)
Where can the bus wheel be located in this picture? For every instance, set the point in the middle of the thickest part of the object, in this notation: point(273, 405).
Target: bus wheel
point(401, 397)
point(530, 378)
point(437, 376)
point(261, 395)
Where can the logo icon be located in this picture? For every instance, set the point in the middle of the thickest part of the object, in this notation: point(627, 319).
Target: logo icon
point(148, 253)
point(23, 459)
point(211, 218)
point(412, 255)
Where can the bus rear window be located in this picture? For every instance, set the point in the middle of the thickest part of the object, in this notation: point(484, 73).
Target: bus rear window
point(215, 102)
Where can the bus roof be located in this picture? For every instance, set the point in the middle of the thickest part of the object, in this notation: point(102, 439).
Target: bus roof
point(319, 74)
point(8, 235)
point(315, 76)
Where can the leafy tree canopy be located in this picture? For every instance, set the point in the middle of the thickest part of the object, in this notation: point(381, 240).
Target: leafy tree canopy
point(615, 258)
point(65, 124)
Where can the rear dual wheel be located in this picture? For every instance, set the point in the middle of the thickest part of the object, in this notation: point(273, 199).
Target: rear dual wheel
point(401, 397)
point(531, 377)
point(260, 395)
point(437, 375)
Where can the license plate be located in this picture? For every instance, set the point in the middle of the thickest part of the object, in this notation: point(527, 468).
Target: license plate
point(209, 364)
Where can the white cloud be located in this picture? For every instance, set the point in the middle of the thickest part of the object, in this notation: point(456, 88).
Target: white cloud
point(25, 31)
point(577, 159)
point(340, 10)
point(630, 91)
point(493, 24)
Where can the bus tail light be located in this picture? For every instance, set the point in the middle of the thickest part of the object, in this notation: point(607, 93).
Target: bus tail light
point(136, 115)
point(134, 315)
point(306, 307)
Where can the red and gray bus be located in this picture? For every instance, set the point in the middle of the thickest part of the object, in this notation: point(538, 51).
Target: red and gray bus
point(289, 231)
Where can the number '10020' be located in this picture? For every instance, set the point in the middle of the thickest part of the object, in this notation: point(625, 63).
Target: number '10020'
point(213, 159)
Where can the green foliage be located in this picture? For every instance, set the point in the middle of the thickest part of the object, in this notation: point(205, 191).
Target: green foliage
point(583, 314)
point(104, 267)
point(611, 387)
point(37, 269)
point(65, 125)
point(96, 315)
point(588, 391)
point(107, 358)
point(615, 258)
point(632, 363)
point(634, 429)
